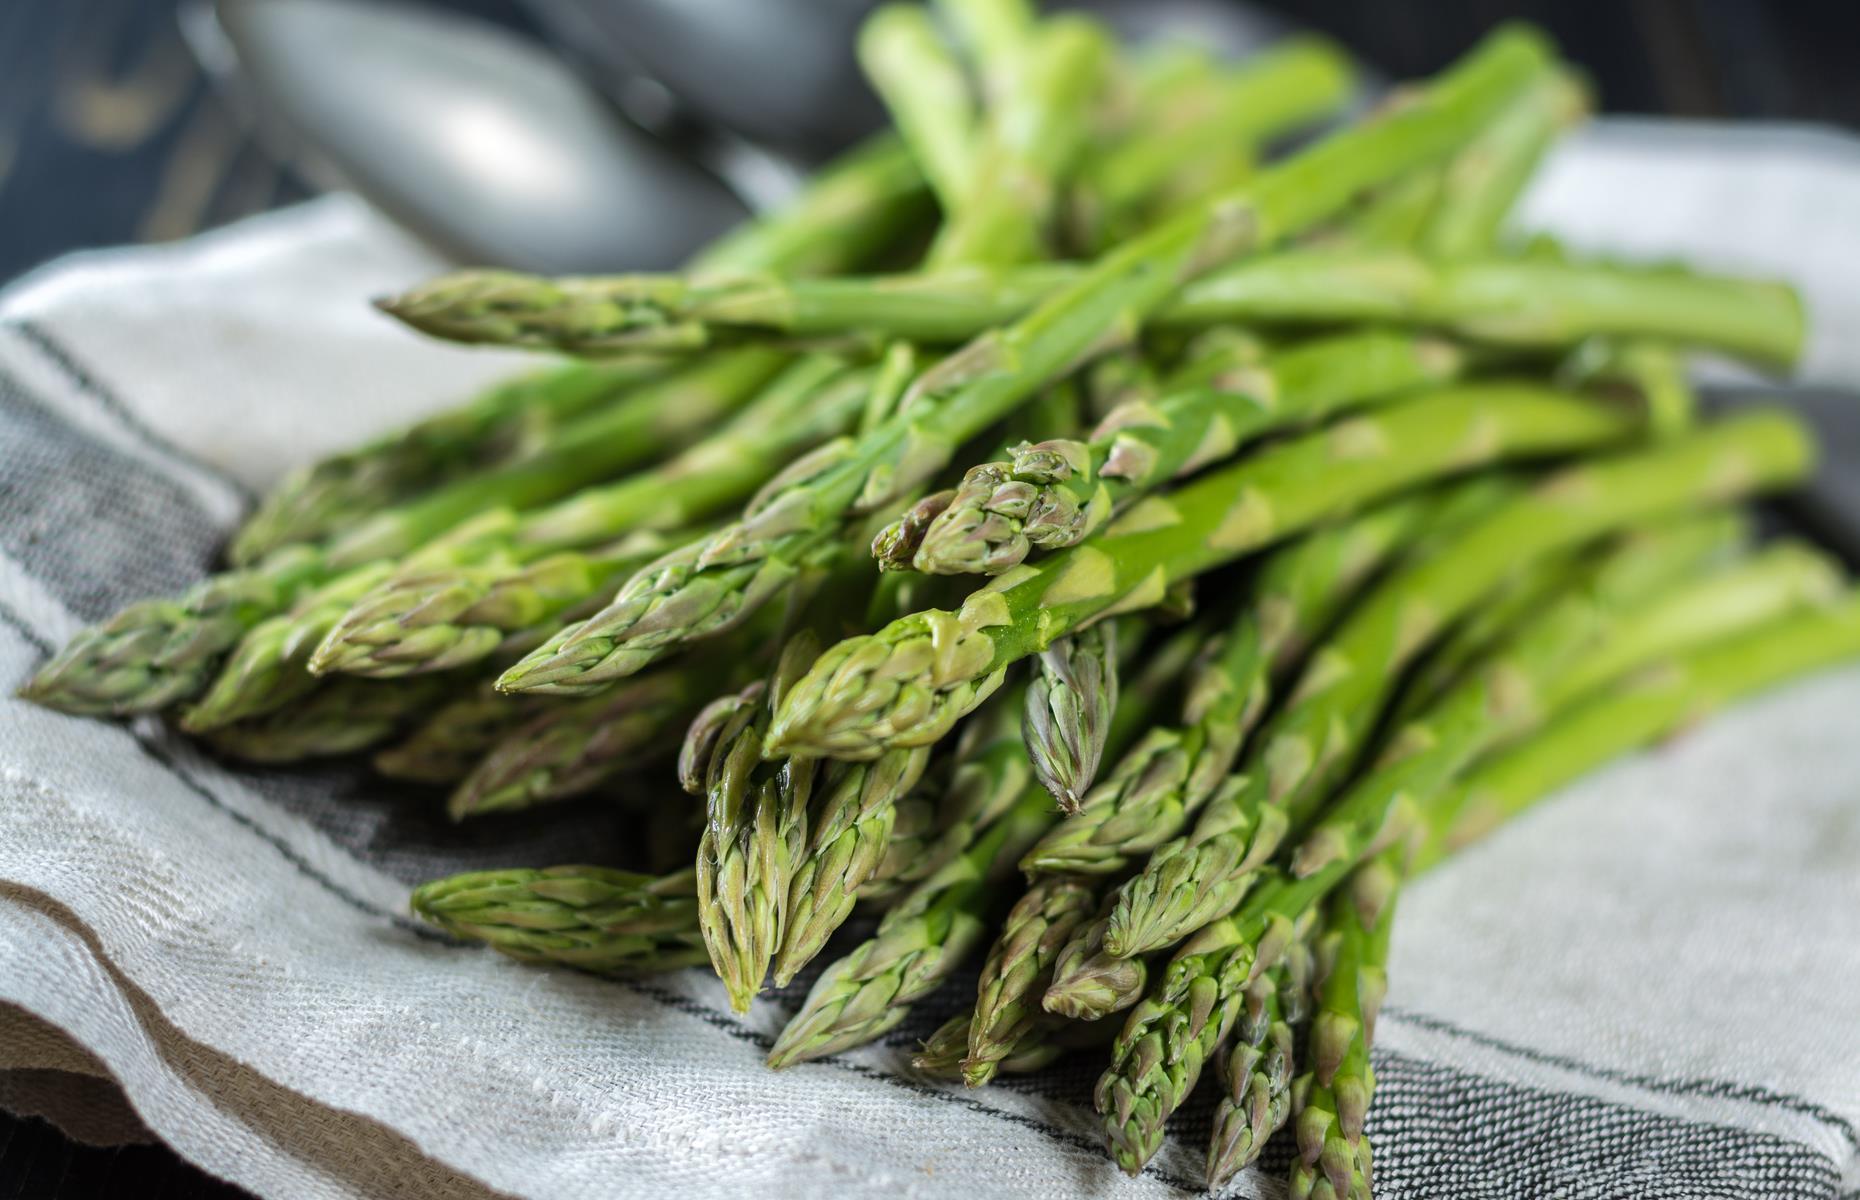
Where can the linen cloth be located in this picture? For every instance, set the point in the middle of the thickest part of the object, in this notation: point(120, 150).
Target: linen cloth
point(1648, 986)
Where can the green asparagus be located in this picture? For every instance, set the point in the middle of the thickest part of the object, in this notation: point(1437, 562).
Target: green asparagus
point(592, 918)
point(907, 683)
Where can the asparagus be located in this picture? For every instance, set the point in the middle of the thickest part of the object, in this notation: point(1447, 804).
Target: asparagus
point(907, 683)
point(943, 1051)
point(1637, 711)
point(736, 570)
point(1056, 493)
point(447, 745)
point(1291, 84)
point(1033, 135)
point(1700, 542)
point(156, 653)
point(994, 33)
point(457, 603)
point(983, 778)
point(755, 829)
point(334, 719)
point(1317, 738)
point(1028, 143)
point(1532, 303)
point(265, 671)
point(1256, 1078)
point(507, 422)
point(1019, 968)
point(592, 918)
point(1482, 183)
point(1297, 594)
point(924, 91)
point(1087, 983)
point(1333, 1158)
point(847, 214)
point(572, 747)
point(1069, 705)
point(918, 943)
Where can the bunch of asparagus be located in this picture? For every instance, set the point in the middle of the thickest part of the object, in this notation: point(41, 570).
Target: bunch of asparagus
point(1198, 543)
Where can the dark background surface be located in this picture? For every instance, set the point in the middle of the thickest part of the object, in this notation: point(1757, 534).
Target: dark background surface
point(109, 134)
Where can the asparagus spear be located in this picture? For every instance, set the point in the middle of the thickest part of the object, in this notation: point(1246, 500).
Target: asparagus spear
point(503, 424)
point(994, 33)
point(265, 671)
point(447, 745)
point(1312, 743)
point(754, 832)
point(1655, 701)
point(1069, 705)
point(741, 566)
point(1033, 135)
point(1019, 968)
point(923, 89)
point(1333, 1158)
point(1056, 493)
point(944, 1050)
point(457, 603)
point(1513, 301)
point(907, 683)
point(1701, 543)
point(918, 943)
point(1482, 183)
point(1289, 85)
point(985, 775)
point(1256, 1079)
point(159, 652)
point(573, 746)
point(1087, 982)
point(592, 918)
point(338, 718)
point(1157, 1053)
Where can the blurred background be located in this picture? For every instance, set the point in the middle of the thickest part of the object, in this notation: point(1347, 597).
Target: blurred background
point(644, 123)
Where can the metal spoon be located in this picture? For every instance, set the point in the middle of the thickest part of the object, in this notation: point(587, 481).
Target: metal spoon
point(478, 139)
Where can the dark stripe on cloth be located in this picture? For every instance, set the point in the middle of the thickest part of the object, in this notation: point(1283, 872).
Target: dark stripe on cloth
point(98, 527)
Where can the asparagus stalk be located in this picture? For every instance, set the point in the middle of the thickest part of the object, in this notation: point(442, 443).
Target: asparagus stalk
point(447, 745)
point(1699, 543)
point(1033, 134)
point(1333, 1157)
point(1526, 302)
point(265, 670)
point(592, 918)
point(849, 212)
point(1256, 1079)
point(458, 603)
point(742, 565)
point(1637, 711)
point(507, 422)
point(573, 747)
point(944, 1050)
point(907, 683)
point(1289, 85)
point(917, 945)
point(755, 829)
point(1068, 710)
point(156, 653)
point(1318, 738)
point(1088, 982)
point(1056, 493)
point(1482, 183)
point(339, 718)
point(994, 33)
point(1019, 969)
point(922, 86)
point(986, 775)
